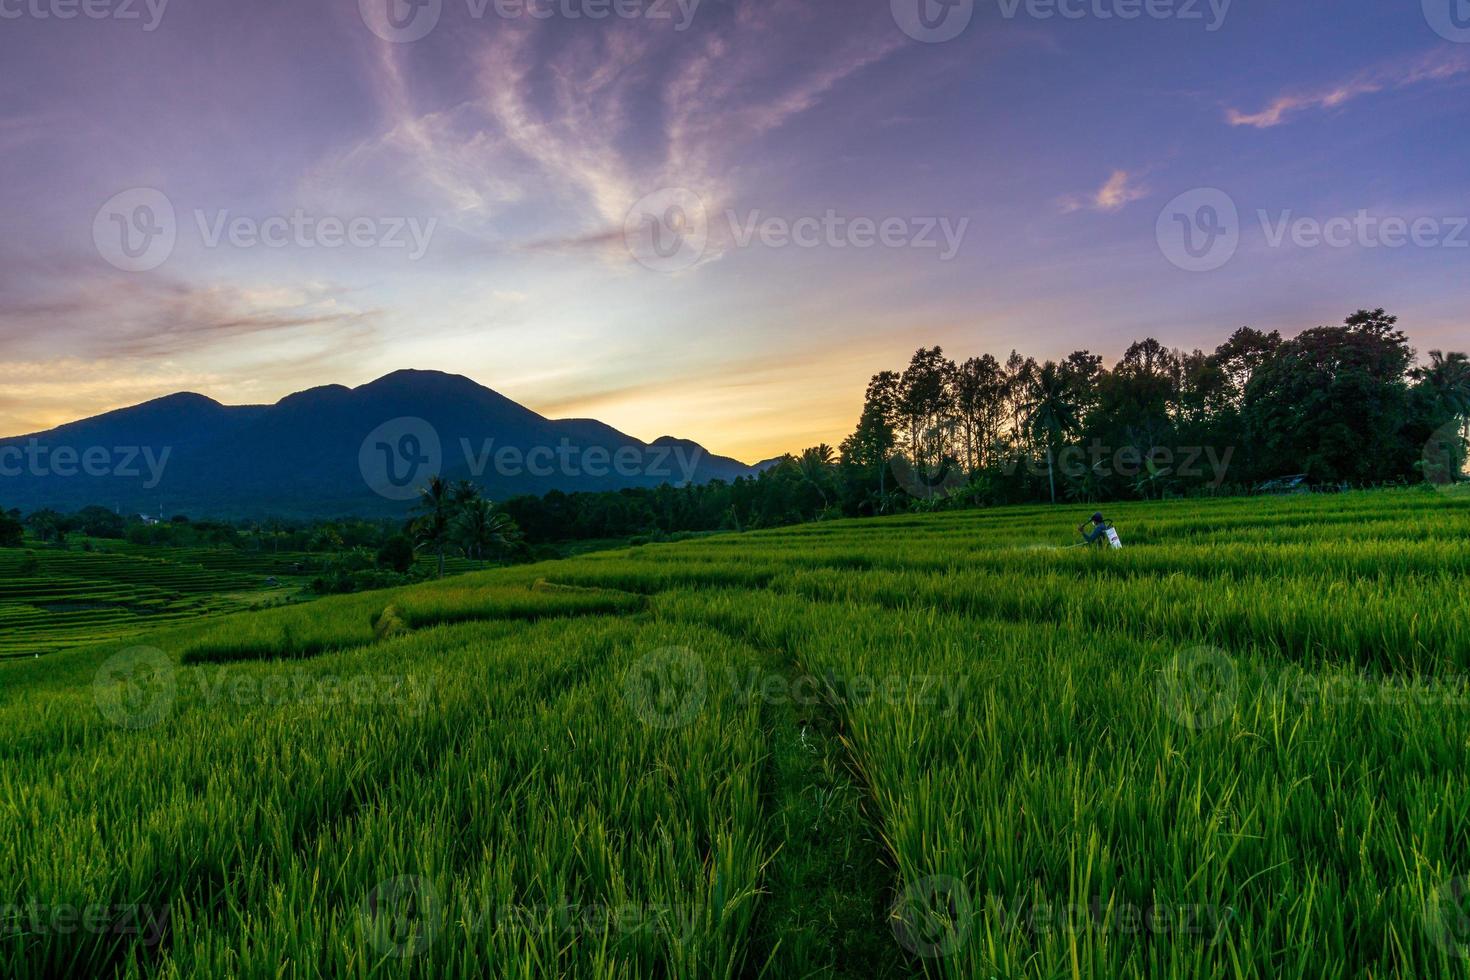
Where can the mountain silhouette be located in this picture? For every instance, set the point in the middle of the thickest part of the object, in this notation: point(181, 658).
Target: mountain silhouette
point(333, 451)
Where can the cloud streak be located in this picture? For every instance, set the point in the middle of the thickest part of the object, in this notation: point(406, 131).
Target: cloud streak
point(578, 125)
point(1120, 190)
point(1438, 66)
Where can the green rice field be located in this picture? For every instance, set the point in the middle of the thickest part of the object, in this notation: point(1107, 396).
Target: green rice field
point(938, 745)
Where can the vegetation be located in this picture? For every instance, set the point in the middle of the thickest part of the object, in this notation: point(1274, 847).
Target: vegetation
point(1345, 406)
point(932, 744)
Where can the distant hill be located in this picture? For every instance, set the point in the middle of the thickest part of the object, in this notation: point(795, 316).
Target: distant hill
point(333, 451)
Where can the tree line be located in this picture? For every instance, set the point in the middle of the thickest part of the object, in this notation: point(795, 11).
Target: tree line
point(1335, 406)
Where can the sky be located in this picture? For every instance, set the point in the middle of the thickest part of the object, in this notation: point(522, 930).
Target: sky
point(714, 219)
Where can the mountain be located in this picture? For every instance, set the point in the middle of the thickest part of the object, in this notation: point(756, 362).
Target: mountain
point(333, 451)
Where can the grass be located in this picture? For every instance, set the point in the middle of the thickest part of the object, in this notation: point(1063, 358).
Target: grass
point(920, 746)
point(53, 600)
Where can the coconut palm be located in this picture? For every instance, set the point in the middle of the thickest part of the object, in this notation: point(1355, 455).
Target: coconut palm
point(479, 528)
point(436, 508)
point(1051, 412)
point(816, 468)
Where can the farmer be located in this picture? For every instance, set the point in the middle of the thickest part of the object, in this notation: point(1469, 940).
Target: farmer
point(1099, 532)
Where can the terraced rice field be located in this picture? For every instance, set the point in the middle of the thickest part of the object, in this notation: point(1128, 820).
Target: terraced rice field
point(921, 746)
point(54, 600)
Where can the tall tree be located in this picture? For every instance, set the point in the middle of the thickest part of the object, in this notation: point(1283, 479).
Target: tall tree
point(480, 528)
point(1051, 413)
point(1332, 402)
point(436, 508)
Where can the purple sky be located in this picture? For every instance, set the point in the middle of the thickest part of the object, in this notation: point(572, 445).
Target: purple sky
point(1017, 185)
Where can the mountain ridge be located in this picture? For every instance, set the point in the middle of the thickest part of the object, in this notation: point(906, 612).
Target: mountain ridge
point(332, 451)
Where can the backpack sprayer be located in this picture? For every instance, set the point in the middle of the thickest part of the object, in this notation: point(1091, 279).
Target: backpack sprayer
point(1109, 532)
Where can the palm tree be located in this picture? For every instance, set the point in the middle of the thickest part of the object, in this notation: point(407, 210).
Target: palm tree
point(431, 529)
point(816, 465)
point(479, 527)
point(1051, 412)
point(1447, 381)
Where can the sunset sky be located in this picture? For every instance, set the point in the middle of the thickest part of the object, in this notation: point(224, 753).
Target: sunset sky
point(519, 144)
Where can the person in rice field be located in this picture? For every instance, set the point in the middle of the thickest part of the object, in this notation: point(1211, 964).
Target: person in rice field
point(1098, 534)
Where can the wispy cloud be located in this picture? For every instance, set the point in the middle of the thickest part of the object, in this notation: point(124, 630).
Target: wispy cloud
point(150, 317)
point(1437, 66)
point(577, 126)
point(1121, 189)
